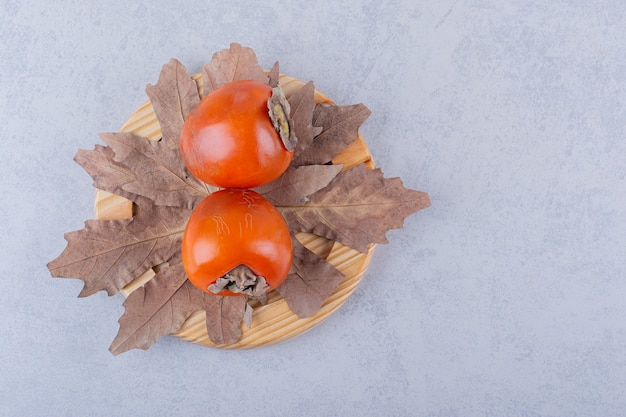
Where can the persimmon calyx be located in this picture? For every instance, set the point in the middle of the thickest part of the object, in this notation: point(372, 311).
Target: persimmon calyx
point(241, 280)
point(279, 111)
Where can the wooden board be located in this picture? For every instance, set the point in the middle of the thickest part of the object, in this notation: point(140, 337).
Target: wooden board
point(273, 322)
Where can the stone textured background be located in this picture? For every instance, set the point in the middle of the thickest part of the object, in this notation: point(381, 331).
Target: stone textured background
point(505, 298)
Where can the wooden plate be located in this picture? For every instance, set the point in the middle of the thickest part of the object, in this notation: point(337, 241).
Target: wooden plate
point(273, 322)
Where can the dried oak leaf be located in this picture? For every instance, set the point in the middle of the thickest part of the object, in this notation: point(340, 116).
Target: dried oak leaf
point(356, 208)
point(236, 63)
point(159, 171)
point(109, 254)
point(309, 283)
point(340, 126)
point(173, 97)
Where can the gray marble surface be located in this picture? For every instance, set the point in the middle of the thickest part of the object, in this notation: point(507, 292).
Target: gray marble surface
point(505, 298)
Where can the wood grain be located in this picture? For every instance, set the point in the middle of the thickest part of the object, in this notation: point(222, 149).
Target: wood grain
point(273, 322)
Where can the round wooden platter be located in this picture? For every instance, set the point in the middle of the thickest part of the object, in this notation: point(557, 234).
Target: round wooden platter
point(273, 322)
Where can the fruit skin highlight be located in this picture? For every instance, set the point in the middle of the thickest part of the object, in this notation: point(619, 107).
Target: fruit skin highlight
point(235, 227)
point(229, 139)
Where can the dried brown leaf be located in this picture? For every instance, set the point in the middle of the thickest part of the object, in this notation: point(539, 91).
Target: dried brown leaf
point(340, 127)
point(224, 316)
point(357, 208)
point(159, 171)
point(158, 308)
point(273, 75)
point(108, 254)
point(227, 65)
point(107, 174)
point(293, 187)
point(309, 283)
point(173, 97)
point(302, 103)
